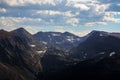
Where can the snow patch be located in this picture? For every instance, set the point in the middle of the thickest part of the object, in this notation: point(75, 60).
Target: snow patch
point(44, 42)
point(85, 54)
point(41, 51)
point(84, 57)
point(58, 42)
point(32, 45)
point(45, 47)
point(78, 39)
point(49, 36)
point(112, 53)
point(102, 53)
point(101, 35)
point(70, 38)
point(60, 54)
point(55, 34)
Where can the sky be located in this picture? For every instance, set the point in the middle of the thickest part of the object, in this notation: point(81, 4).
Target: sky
point(76, 16)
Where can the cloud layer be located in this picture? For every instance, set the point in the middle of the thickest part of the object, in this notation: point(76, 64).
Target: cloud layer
point(58, 12)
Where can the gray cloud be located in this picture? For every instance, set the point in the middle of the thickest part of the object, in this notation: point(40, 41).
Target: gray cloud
point(113, 4)
point(110, 1)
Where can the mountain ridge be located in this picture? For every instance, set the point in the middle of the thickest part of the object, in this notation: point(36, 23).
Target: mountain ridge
point(95, 43)
point(30, 58)
point(17, 57)
point(64, 40)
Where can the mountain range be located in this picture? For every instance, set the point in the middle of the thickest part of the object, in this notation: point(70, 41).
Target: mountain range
point(60, 40)
point(97, 44)
point(58, 56)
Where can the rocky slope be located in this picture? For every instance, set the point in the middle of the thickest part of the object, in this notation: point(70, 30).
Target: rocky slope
point(97, 44)
point(25, 57)
point(18, 61)
point(64, 41)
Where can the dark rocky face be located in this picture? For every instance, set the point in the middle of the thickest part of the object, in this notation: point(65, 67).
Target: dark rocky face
point(25, 57)
point(97, 44)
point(64, 41)
point(17, 59)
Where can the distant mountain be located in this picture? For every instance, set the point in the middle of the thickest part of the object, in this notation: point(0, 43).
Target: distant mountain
point(97, 44)
point(98, 56)
point(34, 43)
point(25, 56)
point(64, 40)
point(18, 61)
point(117, 35)
point(58, 56)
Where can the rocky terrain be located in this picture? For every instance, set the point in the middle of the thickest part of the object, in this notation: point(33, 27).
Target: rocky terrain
point(24, 56)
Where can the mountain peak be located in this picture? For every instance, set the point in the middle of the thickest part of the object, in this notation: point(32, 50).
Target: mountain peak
point(95, 32)
point(2, 30)
point(64, 41)
point(24, 34)
point(67, 32)
point(20, 29)
point(4, 33)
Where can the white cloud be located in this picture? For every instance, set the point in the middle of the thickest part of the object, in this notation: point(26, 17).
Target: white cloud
point(79, 4)
point(5, 22)
point(13, 2)
point(53, 12)
point(79, 33)
point(19, 19)
point(24, 2)
point(13, 23)
point(82, 6)
point(109, 16)
point(72, 2)
point(95, 23)
point(31, 29)
point(73, 21)
point(18, 22)
point(57, 12)
point(100, 8)
point(112, 19)
point(48, 12)
point(118, 4)
point(69, 14)
point(3, 10)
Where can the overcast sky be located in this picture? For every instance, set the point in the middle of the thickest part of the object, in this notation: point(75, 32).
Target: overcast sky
point(76, 16)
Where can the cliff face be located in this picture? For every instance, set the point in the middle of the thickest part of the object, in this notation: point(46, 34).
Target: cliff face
point(18, 61)
point(64, 41)
point(98, 45)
